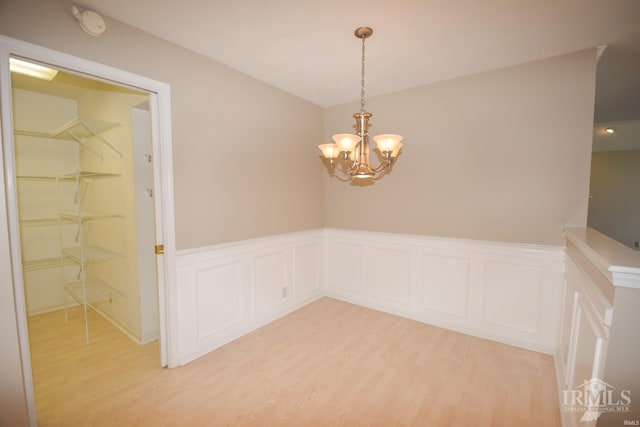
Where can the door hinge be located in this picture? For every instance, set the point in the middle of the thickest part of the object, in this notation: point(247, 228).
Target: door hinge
point(159, 249)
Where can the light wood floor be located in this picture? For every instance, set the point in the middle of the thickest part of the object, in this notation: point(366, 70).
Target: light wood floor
point(328, 364)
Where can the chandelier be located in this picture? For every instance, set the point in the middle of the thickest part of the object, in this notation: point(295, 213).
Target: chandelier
point(354, 149)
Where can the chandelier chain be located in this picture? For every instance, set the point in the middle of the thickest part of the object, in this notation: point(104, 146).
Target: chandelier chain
point(362, 79)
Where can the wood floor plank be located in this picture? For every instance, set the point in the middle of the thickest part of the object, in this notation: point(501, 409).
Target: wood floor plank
point(327, 364)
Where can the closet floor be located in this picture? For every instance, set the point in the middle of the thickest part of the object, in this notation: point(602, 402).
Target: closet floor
point(73, 380)
point(327, 364)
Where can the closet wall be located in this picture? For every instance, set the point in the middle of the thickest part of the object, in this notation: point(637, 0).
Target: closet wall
point(45, 197)
point(115, 195)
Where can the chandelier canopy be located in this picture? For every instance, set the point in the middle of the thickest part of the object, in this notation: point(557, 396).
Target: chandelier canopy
point(354, 148)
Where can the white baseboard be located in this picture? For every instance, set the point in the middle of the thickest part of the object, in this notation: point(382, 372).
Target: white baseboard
point(116, 324)
point(236, 331)
point(419, 316)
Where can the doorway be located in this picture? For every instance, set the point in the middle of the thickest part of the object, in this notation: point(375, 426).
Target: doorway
point(84, 177)
point(154, 105)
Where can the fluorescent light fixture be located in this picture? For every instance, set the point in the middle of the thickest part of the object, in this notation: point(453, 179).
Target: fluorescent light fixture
point(610, 130)
point(31, 69)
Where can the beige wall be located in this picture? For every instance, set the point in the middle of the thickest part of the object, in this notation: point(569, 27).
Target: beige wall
point(502, 155)
point(244, 152)
point(614, 207)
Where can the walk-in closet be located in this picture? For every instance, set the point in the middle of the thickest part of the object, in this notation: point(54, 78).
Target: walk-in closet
point(84, 177)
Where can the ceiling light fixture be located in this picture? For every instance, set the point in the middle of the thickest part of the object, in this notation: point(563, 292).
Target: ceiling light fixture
point(32, 70)
point(610, 130)
point(355, 148)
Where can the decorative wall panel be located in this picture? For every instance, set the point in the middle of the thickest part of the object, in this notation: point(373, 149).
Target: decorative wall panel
point(226, 291)
point(501, 291)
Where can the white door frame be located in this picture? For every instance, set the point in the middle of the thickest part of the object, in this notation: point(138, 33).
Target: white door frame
point(160, 106)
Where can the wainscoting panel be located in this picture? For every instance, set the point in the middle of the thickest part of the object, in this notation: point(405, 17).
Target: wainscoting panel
point(307, 268)
point(269, 280)
point(500, 291)
point(228, 290)
point(347, 269)
point(512, 295)
point(506, 292)
point(445, 284)
point(387, 274)
point(218, 297)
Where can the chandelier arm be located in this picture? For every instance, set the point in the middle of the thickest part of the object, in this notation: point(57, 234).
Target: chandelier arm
point(347, 171)
point(345, 165)
point(354, 162)
point(383, 165)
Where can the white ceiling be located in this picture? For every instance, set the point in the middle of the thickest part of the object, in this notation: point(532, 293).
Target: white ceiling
point(307, 47)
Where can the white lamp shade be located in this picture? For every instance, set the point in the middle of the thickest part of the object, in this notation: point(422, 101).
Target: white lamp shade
point(395, 152)
point(330, 151)
point(388, 142)
point(346, 141)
